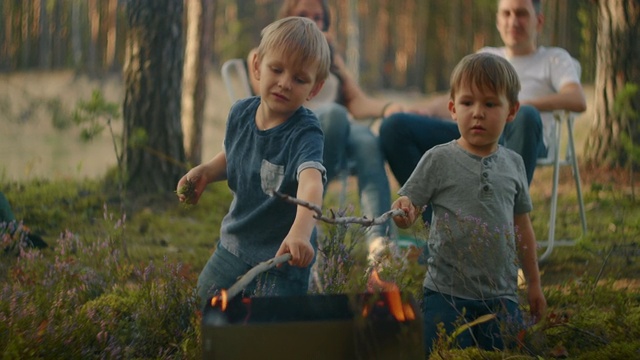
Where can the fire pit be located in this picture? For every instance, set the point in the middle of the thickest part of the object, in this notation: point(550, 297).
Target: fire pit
point(357, 326)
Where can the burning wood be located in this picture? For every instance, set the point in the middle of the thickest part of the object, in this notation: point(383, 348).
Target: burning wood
point(222, 298)
point(398, 309)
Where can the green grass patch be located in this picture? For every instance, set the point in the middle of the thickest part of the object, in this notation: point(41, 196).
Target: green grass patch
point(118, 281)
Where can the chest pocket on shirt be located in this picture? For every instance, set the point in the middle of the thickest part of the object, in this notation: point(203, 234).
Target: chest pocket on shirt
point(271, 176)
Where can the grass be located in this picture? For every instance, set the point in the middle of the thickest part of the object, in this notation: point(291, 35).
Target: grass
point(86, 296)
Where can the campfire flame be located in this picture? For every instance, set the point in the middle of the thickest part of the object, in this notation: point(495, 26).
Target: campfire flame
point(401, 311)
point(222, 298)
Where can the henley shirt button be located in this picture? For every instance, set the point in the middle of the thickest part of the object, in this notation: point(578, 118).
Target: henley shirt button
point(485, 188)
point(486, 162)
point(485, 174)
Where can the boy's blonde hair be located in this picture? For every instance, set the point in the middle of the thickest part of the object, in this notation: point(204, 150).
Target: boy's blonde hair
point(299, 40)
point(486, 72)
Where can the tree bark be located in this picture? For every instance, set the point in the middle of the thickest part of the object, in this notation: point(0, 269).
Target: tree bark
point(111, 29)
point(76, 36)
point(154, 156)
point(617, 64)
point(94, 31)
point(199, 21)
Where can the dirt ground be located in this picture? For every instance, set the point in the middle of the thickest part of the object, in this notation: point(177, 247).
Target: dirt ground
point(31, 147)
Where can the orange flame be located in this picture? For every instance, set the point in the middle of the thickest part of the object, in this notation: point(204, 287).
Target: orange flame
point(400, 311)
point(222, 298)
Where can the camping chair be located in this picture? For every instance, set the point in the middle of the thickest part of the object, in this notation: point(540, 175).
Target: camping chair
point(236, 80)
point(553, 159)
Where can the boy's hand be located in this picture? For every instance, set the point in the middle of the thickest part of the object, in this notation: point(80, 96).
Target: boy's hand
point(537, 303)
point(300, 249)
point(191, 186)
point(403, 203)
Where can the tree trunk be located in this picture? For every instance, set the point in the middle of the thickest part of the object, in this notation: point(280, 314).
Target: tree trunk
point(154, 154)
point(44, 55)
point(617, 64)
point(111, 29)
point(76, 36)
point(94, 31)
point(194, 89)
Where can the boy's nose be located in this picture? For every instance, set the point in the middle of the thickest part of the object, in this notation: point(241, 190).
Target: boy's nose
point(285, 82)
point(478, 112)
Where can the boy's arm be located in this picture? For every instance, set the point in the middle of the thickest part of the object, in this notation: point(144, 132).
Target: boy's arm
point(298, 241)
point(411, 212)
point(201, 175)
point(528, 259)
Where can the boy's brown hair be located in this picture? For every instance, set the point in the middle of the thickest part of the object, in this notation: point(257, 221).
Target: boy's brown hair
point(300, 40)
point(486, 72)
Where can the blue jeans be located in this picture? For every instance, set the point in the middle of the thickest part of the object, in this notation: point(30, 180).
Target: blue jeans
point(405, 137)
point(453, 312)
point(351, 146)
point(223, 269)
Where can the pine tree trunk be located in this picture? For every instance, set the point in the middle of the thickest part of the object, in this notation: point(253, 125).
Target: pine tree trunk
point(617, 64)
point(194, 90)
point(154, 154)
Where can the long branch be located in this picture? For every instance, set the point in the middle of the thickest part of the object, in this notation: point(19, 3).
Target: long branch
point(255, 271)
point(364, 221)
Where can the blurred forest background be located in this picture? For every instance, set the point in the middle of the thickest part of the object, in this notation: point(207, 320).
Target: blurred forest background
point(404, 45)
point(163, 50)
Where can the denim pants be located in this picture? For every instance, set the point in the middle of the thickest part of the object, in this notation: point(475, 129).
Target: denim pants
point(453, 312)
point(351, 146)
point(223, 269)
point(405, 137)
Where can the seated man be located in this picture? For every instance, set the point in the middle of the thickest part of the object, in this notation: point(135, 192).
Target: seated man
point(550, 81)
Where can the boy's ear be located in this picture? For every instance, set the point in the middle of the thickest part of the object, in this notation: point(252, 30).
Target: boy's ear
point(316, 89)
point(452, 110)
point(513, 111)
point(256, 66)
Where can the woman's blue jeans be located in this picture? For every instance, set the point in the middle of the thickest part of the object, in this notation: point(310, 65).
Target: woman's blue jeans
point(354, 148)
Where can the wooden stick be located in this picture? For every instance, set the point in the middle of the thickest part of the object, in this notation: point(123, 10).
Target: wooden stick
point(364, 221)
point(239, 285)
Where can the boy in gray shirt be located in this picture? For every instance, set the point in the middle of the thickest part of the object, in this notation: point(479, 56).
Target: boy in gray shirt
point(481, 231)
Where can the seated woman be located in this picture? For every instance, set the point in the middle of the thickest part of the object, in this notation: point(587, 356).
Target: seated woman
point(340, 101)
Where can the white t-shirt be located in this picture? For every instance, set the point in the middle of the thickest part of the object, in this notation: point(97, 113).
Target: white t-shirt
point(542, 73)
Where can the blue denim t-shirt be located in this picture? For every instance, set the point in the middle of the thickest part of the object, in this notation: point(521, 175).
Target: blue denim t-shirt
point(261, 161)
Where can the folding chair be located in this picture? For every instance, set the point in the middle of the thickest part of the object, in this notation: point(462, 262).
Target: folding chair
point(553, 159)
point(236, 79)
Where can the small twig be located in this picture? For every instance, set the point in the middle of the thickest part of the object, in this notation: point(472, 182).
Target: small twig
point(364, 221)
point(255, 271)
point(604, 262)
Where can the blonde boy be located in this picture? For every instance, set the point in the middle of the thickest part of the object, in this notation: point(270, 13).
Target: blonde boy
point(481, 228)
point(271, 143)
